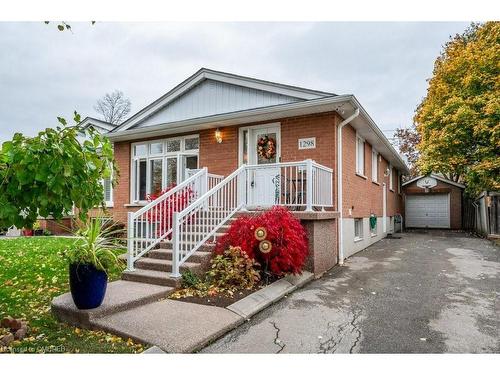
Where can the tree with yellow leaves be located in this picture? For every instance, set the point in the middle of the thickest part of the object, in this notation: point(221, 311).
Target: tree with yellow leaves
point(459, 119)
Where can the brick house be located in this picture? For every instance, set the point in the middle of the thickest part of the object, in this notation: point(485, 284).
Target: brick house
point(321, 155)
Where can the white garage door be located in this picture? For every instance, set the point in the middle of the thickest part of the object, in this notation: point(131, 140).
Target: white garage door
point(428, 211)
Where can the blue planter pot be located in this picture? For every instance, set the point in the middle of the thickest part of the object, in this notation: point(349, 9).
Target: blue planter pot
point(87, 285)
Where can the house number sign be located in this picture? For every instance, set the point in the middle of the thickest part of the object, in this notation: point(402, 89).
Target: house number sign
point(307, 143)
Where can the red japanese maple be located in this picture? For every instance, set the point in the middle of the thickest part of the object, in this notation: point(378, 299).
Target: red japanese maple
point(163, 214)
point(287, 236)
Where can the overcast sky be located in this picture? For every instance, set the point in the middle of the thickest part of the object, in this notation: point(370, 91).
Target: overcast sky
point(45, 73)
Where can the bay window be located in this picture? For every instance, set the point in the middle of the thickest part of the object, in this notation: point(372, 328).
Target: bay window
point(158, 164)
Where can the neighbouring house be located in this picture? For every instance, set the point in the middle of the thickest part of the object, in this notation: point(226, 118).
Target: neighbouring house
point(233, 145)
point(433, 202)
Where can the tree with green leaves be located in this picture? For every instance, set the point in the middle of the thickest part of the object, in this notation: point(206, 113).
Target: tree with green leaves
point(53, 172)
point(459, 119)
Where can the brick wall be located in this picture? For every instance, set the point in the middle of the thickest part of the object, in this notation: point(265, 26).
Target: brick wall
point(361, 195)
point(442, 188)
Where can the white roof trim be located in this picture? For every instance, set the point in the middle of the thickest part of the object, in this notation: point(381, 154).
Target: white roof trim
point(87, 121)
point(203, 74)
point(437, 177)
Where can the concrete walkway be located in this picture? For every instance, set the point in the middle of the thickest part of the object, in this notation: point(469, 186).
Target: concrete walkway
point(142, 312)
point(430, 292)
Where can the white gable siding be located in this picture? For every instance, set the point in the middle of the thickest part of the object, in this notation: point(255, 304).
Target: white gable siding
point(212, 97)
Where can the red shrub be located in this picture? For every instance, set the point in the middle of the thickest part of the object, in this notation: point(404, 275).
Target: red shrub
point(286, 234)
point(163, 215)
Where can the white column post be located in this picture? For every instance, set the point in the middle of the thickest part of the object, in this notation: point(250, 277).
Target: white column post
point(309, 185)
point(175, 245)
point(130, 241)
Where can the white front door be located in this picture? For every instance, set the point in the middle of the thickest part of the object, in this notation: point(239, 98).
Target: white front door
point(263, 181)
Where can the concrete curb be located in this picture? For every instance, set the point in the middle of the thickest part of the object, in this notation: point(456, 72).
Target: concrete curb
point(259, 300)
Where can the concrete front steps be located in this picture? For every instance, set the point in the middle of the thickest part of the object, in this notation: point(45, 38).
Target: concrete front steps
point(156, 266)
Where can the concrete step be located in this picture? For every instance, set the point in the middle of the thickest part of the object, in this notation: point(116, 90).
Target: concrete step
point(151, 277)
point(164, 265)
point(197, 257)
point(207, 247)
point(197, 235)
point(222, 229)
point(120, 296)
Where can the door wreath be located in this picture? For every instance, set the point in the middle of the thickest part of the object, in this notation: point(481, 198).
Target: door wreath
point(266, 147)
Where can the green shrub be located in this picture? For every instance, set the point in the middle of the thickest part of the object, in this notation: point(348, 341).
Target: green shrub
point(189, 279)
point(230, 271)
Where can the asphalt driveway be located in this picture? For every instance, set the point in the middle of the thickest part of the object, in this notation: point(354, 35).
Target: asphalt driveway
point(435, 292)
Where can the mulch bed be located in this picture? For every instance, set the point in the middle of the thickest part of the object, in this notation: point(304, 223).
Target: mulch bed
point(224, 301)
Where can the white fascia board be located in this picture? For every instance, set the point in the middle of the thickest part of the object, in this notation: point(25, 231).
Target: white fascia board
point(87, 121)
point(202, 74)
point(161, 102)
point(437, 177)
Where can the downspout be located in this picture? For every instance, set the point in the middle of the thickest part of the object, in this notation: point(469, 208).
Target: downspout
point(339, 183)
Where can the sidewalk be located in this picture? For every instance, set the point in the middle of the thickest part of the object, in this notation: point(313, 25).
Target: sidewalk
point(142, 312)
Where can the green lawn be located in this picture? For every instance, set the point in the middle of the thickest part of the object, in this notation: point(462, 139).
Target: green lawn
point(32, 272)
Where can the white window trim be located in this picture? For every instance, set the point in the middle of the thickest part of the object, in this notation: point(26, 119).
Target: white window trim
point(358, 170)
point(359, 238)
point(391, 178)
point(165, 155)
point(109, 203)
point(375, 163)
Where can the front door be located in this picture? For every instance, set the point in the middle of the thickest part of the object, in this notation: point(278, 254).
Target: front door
point(263, 152)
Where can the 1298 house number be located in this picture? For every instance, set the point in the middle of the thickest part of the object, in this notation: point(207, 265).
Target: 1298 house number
point(306, 143)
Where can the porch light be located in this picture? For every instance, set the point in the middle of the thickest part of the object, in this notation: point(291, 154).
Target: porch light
point(218, 135)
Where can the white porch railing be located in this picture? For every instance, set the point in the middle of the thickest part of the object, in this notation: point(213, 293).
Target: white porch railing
point(305, 184)
point(194, 225)
point(153, 222)
point(192, 212)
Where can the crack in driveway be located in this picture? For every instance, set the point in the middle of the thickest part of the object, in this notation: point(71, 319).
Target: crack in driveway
point(356, 314)
point(330, 345)
point(277, 340)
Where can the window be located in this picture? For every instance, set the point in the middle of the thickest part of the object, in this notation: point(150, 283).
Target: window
point(373, 230)
point(360, 156)
point(374, 166)
point(156, 148)
point(192, 143)
point(108, 191)
point(160, 163)
point(358, 229)
point(391, 178)
point(399, 182)
point(173, 145)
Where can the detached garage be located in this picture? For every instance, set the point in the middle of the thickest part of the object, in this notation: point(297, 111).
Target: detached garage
point(433, 202)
